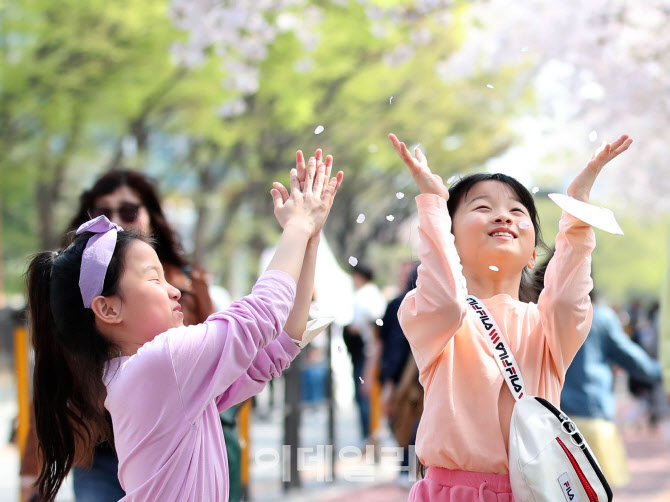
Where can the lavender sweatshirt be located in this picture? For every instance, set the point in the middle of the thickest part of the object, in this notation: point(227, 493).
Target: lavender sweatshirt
point(165, 399)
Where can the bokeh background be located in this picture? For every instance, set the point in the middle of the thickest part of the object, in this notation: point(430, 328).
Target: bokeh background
point(213, 97)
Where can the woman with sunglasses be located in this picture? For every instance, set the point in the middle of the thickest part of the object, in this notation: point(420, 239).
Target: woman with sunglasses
point(130, 200)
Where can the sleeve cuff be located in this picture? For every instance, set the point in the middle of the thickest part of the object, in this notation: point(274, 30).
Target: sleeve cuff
point(430, 200)
point(289, 344)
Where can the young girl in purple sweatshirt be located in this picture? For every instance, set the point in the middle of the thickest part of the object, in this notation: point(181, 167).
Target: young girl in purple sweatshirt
point(109, 341)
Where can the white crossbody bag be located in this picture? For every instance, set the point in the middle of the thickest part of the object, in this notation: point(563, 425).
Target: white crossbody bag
point(549, 460)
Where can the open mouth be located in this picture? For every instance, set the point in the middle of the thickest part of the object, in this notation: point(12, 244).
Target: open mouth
point(503, 233)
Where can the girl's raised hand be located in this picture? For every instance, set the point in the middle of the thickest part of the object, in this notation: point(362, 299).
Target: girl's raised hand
point(425, 179)
point(580, 188)
point(312, 193)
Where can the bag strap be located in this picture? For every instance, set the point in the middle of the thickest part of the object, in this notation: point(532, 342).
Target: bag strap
point(501, 352)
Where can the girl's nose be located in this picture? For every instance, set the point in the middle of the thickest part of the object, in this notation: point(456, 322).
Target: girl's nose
point(503, 217)
point(174, 292)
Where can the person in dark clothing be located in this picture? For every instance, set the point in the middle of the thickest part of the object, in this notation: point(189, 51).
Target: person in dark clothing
point(395, 347)
point(402, 394)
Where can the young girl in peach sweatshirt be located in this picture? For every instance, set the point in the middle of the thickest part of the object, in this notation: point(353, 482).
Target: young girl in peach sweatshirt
point(479, 238)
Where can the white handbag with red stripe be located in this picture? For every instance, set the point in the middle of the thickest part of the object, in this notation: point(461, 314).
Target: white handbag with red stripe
point(549, 460)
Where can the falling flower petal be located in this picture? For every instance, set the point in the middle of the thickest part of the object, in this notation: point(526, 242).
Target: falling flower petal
point(489, 86)
point(451, 179)
point(361, 218)
point(593, 135)
point(400, 195)
point(362, 381)
point(524, 225)
point(379, 322)
point(391, 100)
point(318, 130)
point(353, 261)
point(390, 217)
point(494, 268)
point(535, 189)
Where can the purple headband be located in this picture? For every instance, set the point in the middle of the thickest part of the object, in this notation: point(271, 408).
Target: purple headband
point(96, 256)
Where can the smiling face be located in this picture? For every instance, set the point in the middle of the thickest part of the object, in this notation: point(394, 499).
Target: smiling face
point(149, 305)
point(492, 228)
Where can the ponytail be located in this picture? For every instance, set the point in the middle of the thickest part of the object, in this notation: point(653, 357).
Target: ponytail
point(70, 358)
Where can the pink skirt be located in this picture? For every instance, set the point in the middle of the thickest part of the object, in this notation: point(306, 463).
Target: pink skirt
point(461, 486)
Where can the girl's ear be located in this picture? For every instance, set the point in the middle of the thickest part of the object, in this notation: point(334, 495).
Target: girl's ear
point(533, 259)
point(107, 309)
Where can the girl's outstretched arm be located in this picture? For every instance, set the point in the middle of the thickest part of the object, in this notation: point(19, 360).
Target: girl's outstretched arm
point(233, 354)
point(564, 305)
point(431, 314)
point(307, 175)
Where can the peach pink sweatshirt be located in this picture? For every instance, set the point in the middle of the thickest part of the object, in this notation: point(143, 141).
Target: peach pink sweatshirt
point(467, 406)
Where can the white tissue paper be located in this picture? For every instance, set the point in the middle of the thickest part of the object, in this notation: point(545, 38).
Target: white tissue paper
point(314, 328)
point(595, 216)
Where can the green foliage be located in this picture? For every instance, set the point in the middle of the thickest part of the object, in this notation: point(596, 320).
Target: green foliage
point(80, 77)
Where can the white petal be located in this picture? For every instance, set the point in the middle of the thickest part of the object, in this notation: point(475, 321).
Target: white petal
point(353, 261)
point(319, 130)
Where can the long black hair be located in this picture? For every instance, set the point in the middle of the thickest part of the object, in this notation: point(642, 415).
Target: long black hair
point(462, 187)
point(70, 356)
point(167, 244)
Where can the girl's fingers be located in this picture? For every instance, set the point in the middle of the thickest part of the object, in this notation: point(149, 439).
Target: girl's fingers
point(619, 142)
point(419, 155)
point(329, 165)
point(331, 189)
point(276, 198)
point(318, 155)
point(300, 165)
point(329, 168)
point(309, 177)
point(339, 178)
point(320, 179)
point(282, 190)
point(294, 183)
point(623, 147)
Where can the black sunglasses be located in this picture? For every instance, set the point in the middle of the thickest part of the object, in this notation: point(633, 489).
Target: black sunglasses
point(127, 211)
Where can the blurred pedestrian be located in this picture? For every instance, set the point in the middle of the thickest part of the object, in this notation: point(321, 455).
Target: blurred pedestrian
point(588, 393)
point(402, 394)
point(645, 333)
point(360, 338)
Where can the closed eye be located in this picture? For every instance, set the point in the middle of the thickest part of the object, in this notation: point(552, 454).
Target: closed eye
point(482, 207)
point(519, 209)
